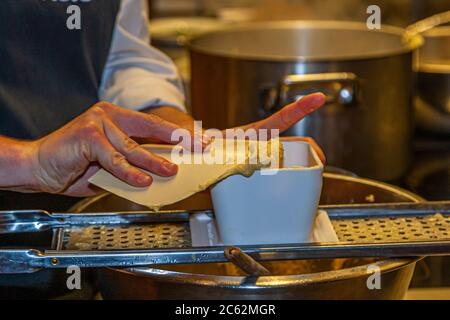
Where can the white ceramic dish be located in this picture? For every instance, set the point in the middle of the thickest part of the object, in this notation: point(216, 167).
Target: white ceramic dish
point(204, 232)
point(271, 209)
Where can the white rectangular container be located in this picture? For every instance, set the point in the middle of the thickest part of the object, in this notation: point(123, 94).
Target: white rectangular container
point(271, 209)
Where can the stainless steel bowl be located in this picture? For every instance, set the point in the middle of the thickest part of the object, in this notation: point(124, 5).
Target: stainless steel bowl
point(316, 279)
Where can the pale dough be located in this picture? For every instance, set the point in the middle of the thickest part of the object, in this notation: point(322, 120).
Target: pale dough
point(190, 179)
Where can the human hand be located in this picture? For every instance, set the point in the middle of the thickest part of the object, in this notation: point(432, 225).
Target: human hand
point(100, 138)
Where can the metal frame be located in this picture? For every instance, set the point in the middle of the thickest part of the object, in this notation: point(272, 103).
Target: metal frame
point(32, 260)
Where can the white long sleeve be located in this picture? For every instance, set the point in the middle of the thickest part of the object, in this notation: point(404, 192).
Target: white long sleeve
point(136, 75)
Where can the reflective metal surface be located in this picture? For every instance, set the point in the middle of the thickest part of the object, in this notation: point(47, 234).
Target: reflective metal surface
point(313, 279)
point(246, 73)
point(433, 82)
point(133, 239)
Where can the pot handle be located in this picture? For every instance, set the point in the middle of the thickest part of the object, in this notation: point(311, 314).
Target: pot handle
point(339, 87)
point(428, 23)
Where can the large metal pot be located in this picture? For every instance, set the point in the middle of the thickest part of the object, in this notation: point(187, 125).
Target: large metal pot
point(433, 81)
point(245, 73)
point(319, 279)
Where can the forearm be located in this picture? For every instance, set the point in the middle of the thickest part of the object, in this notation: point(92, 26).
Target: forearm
point(16, 158)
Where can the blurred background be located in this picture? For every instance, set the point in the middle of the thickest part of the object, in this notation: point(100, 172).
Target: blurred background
point(174, 21)
point(396, 12)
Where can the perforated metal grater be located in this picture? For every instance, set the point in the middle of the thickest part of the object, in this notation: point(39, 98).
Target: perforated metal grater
point(126, 239)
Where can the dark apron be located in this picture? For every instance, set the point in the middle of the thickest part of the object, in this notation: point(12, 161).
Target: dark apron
point(48, 76)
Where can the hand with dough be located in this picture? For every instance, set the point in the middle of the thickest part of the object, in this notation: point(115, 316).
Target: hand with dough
point(282, 120)
point(63, 161)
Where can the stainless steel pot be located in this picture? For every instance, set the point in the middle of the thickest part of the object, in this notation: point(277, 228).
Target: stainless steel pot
point(432, 100)
point(319, 279)
point(245, 73)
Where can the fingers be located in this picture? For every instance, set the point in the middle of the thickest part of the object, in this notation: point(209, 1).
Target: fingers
point(135, 154)
point(116, 152)
point(143, 125)
point(290, 114)
point(100, 149)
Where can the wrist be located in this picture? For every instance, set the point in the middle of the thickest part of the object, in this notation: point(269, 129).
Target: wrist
point(17, 165)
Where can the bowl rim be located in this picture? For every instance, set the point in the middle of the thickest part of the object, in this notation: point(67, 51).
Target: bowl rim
point(269, 282)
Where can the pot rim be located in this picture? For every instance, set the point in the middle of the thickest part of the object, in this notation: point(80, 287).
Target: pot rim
point(411, 42)
point(441, 33)
point(81, 205)
point(433, 68)
point(437, 32)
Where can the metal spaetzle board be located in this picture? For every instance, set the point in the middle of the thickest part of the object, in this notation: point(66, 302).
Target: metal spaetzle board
point(126, 239)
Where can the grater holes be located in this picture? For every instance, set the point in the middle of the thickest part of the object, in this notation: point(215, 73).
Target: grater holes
point(394, 228)
point(169, 235)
